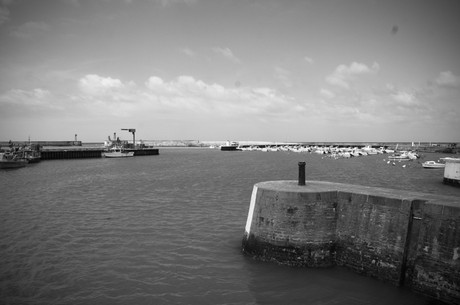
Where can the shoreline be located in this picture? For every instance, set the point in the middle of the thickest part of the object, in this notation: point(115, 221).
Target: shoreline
point(441, 147)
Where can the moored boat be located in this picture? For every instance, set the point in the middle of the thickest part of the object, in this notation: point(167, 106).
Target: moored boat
point(12, 161)
point(32, 154)
point(230, 146)
point(118, 152)
point(433, 164)
point(403, 156)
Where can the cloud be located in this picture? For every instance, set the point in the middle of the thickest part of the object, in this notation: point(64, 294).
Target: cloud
point(405, 98)
point(188, 52)
point(308, 59)
point(343, 74)
point(283, 76)
point(227, 53)
point(186, 92)
point(326, 93)
point(29, 29)
point(33, 97)
point(181, 98)
point(16, 103)
point(4, 14)
point(165, 3)
point(337, 81)
point(75, 3)
point(97, 85)
point(447, 79)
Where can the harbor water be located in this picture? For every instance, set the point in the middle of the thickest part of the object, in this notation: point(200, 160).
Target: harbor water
point(167, 229)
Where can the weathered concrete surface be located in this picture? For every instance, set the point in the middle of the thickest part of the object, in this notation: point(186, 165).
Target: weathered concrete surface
point(293, 227)
point(433, 266)
point(405, 238)
point(371, 234)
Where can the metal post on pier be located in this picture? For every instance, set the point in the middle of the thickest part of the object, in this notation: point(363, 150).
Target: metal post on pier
point(301, 173)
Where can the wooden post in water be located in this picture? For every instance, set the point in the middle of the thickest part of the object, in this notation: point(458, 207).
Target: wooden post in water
point(301, 173)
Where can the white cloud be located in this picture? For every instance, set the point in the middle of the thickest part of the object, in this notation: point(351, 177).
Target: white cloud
point(172, 2)
point(308, 59)
point(283, 76)
point(337, 81)
point(96, 85)
point(227, 53)
point(4, 14)
point(188, 52)
point(37, 97)
point(29, 29)
point(326, 93)
point(405, 98)
point(75, 3)
point(343, 74)
point(180, 97)
point(154, 82)
point(447, 79)
point(185, 92)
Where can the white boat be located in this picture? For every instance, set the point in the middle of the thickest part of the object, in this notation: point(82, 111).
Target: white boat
point(403, 156)
point(118, 152)
point(230, 146)
point(433, 164)
point(370, 150)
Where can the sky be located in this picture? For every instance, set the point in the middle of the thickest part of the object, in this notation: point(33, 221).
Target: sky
point(240, 70)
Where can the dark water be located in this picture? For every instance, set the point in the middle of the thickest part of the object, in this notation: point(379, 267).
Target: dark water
point(167, 229)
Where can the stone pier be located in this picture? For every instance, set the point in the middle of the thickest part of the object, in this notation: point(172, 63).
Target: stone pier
point(404, 238)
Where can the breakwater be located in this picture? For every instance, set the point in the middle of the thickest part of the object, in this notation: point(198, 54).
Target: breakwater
point(42, 143)
point(406, 238)
point(83, 153)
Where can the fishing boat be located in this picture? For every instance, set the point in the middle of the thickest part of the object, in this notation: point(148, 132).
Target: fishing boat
point(118, 152)
point(32, 154)
point(230, 146)
point(12, 161)
point(433, 164)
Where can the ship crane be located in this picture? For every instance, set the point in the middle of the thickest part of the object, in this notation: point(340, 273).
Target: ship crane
point(133, 131)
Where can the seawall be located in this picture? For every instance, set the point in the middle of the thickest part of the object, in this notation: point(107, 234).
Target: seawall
point(405, 238)
point(85, 153)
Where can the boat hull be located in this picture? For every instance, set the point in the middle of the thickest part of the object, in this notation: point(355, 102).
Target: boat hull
point(13, 163)
point(119, 154)
point(433, 165)
point(229, 148)
point(398, 158)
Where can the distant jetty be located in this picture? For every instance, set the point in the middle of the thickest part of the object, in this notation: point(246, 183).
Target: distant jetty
point(53, 150)
point(42, 143)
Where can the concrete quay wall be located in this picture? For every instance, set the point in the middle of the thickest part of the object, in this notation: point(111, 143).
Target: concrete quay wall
point(83, 153)
point(405, 238)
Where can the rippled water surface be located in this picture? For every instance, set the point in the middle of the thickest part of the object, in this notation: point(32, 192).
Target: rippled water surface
point(167, 229)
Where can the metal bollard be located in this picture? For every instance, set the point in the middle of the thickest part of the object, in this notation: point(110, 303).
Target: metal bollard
point(301, 173)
